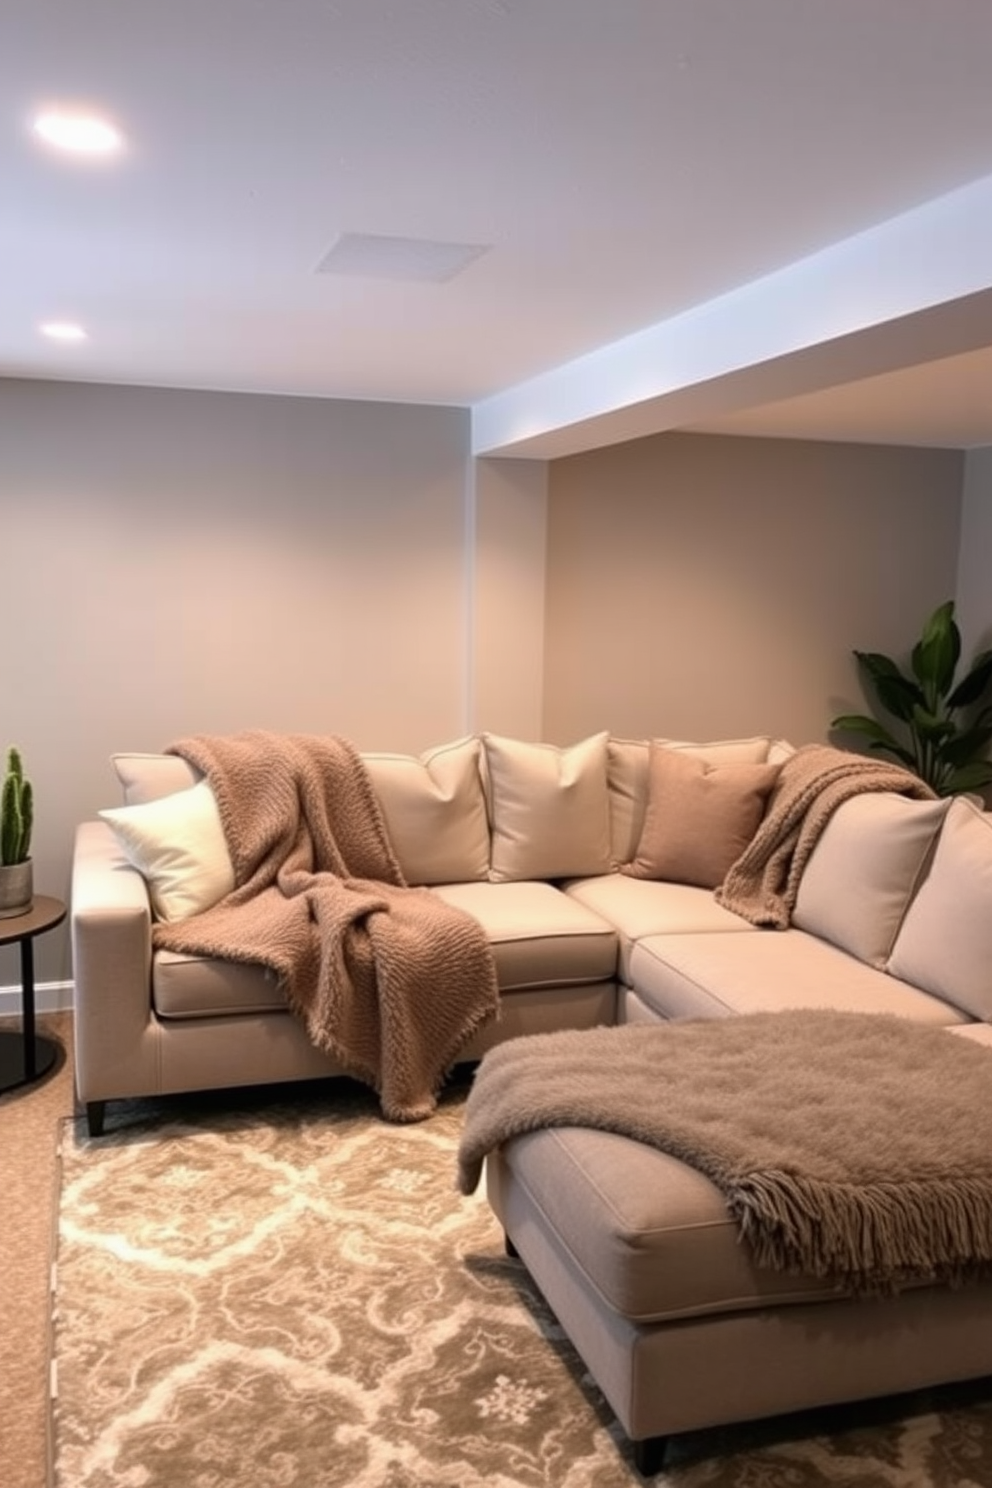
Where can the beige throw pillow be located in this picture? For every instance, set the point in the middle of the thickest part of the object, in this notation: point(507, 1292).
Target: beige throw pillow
point(549, 809)
point(148, 777)
point(435, 812)
point(177, 843)
point(699, 818)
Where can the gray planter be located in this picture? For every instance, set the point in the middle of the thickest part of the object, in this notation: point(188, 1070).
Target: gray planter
point(16, 889)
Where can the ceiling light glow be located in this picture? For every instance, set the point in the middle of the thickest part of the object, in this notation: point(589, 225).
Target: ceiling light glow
point(62, 330)
point(80, 134)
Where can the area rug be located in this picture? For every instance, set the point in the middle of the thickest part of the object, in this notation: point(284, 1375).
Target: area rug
point(294, 1295)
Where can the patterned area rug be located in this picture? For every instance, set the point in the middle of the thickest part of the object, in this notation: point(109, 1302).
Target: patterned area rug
point(293, 1295)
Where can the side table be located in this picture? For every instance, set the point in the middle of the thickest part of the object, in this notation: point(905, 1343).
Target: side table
point(26, 1056)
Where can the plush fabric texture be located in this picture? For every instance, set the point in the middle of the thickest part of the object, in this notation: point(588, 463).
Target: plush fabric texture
point(149, 777)
point(549, 809)
point(863, 872)
point(177, 843)
point(388, 979)
point(700, 817)
point(851, 1145)
point(435, 812)
point(945, 942)
point(763, 884)
point(627, 778)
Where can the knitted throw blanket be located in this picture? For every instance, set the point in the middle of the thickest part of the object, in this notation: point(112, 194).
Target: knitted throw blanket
point(388, 980)
point(763, 884)
point(855, 1146)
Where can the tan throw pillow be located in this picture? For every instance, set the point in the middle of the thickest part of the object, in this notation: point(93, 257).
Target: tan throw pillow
point(699, 818)
point(435, 812)
point(178, 845)
point(549, 809)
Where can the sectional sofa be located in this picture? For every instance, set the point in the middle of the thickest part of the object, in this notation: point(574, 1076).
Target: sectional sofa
point(593, 869)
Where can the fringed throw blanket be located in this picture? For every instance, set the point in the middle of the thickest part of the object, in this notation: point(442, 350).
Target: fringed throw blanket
point(763, 884)
point(388, 980)
point(854, 1146)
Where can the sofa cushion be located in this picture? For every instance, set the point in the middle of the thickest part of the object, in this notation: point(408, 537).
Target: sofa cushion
point(178, 845)
point(864, 870)
point(548, 809)
point(637, 907)
point(186, 986)
point(699, 817)
point(148, 777)
point(715, 976)
point(435, 811)
point(945, 942)
point(627, 777)
point(540, 937)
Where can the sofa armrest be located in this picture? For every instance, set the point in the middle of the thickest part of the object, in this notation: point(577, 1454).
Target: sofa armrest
point(114, 1033)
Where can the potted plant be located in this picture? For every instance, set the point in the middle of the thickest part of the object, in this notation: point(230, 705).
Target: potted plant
point(16, 822)
point(944, 733)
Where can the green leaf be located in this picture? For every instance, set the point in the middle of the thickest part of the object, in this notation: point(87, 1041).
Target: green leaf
point(878, 736)
point(969, 745)
point(936, 654)
point(971, 777)
point(931, 728)
point(973, 683)
point(898, 694)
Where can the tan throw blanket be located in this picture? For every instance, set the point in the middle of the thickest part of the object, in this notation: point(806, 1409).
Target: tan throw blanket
point(855, 1146)
point(763, 884)
point(388, 980)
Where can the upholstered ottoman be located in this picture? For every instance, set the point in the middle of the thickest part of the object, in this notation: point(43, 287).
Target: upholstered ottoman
point(636, 1254)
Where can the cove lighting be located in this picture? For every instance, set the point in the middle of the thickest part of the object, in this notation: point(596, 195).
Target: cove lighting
point(62, 330)
point(80, 134)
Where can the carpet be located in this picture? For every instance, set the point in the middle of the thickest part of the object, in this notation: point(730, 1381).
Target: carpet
point(292, 1294)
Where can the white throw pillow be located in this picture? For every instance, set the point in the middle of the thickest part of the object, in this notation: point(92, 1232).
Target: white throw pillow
point(177, 843)
point(864, 870)
point(549, 809)
point(945, 943)
point(435, 812)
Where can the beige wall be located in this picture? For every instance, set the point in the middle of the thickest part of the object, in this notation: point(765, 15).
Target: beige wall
point(974, 607)
point(705, 586)
point(178, 562)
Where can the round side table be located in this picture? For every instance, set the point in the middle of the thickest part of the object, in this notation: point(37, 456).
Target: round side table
point(26, 1056)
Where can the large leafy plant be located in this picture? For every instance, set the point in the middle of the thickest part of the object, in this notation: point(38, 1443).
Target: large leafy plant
point(945, 729)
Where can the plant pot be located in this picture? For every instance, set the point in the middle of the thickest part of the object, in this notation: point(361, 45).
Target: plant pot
point(16, 889)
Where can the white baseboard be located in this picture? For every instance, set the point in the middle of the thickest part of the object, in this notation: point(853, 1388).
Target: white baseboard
point(49, 997)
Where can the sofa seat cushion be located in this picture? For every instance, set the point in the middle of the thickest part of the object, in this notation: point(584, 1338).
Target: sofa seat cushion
point(651, 1235)
point(540, 937)
point(713, 976)
point(637, 907)
point(205, 987)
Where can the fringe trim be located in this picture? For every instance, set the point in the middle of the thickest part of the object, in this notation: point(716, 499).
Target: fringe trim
point(871, 1238)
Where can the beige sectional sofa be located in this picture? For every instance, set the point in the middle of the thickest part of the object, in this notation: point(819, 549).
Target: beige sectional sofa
point(634, 1250)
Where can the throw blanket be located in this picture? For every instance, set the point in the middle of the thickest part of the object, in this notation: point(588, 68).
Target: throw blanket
point(763, 884)
point(389, 980)
point(855, 1146)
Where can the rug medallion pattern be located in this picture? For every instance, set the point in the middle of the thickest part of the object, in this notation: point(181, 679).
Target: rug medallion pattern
point(295, 1296)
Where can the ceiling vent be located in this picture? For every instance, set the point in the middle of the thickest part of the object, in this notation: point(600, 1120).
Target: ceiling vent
point(410, 260)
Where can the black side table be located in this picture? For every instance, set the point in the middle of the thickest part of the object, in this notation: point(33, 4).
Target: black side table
point(26, 1056)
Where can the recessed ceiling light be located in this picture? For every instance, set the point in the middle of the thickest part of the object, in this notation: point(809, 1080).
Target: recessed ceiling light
point(80, 134)
point(62, 330)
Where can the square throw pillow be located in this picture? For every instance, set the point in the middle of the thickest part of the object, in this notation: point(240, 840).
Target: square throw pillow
point(148, 777)
point(699, 817)
point(178, 845)
point(549, 809)
point(435, 812)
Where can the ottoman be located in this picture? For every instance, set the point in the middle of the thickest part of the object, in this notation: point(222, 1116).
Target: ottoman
point(640, 1261)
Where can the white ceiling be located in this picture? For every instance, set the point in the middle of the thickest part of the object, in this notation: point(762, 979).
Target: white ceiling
point(622, 163)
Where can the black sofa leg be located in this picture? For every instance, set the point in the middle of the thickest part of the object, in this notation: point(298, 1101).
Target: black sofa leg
point(95, 1112)
point(649, 1455)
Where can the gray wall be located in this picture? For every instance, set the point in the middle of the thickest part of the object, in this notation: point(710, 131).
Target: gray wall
point(702, 586)
point(974, 608)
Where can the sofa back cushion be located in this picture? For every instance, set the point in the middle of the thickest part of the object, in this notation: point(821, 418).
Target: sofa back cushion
point(864, 870)
point(148, 777)
point(435, 812)
point(628, 778)
point(549, 809)
point(945, 942)
point(700, 816)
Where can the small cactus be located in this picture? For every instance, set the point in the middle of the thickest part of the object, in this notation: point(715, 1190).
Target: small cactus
point(16, 812)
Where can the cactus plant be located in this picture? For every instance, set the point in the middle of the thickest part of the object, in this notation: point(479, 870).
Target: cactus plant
point(16, 812)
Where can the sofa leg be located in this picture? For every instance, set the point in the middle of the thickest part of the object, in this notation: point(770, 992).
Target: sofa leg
point(649, 1455)
point(95, 1112)
point(510, 1248)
